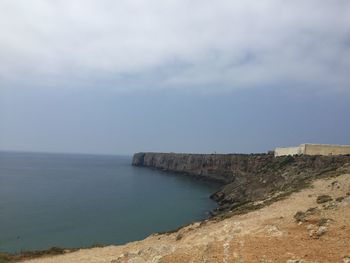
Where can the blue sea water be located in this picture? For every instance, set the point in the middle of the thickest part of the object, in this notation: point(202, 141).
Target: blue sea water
point(71, 200)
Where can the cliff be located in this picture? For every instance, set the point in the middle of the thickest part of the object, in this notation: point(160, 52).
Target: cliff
point(311, 225)
point(245, 177)
point(218, 167)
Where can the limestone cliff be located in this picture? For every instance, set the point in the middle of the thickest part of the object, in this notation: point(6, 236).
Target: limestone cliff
point(246, 177)
point(219, 167)
point(311, 225)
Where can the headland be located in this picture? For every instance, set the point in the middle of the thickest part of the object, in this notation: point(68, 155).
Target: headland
point(292, 208)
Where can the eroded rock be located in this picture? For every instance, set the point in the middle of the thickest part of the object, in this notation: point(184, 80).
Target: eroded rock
point(323, 199)
point(295, 261)
point(245, 177)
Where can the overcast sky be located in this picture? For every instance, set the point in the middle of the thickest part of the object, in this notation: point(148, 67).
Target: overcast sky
point(188, 76)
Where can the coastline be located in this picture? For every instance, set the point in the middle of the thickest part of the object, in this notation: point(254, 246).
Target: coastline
point(273, 233)
point(297, 167)
point(246, 178)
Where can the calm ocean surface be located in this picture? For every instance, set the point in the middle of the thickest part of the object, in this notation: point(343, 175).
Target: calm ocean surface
point(72, 200)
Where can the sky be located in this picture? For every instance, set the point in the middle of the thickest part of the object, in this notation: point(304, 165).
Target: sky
point(118, 77)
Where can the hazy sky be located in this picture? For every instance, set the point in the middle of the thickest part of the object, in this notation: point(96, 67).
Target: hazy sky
point(185, 76)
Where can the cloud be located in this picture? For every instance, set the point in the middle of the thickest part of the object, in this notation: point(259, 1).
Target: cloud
point(134, 44)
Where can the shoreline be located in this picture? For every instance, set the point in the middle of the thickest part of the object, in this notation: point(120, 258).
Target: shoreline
point(265, 232)
point(218, 215)
point(245, 177)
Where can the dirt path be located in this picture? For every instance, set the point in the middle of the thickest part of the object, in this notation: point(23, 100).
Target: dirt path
point(270, 234)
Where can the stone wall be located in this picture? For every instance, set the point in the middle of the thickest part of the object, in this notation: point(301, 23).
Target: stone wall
point(313, 149)
point(282, 151)
point(325, 149)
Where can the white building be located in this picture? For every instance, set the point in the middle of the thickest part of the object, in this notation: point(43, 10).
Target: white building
point(313, 149)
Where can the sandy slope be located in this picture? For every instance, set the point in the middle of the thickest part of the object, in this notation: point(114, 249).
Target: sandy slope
point(270, 234)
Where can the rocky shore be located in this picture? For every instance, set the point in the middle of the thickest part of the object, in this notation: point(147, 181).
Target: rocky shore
point(292, 209)
point(246, 177)
point(307, 226)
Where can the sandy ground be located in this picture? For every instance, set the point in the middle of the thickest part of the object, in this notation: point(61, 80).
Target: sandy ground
point(270, 234)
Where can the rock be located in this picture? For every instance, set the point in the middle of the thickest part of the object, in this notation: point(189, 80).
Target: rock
point(273, 230)
point(339, 199)
point(179, 237)
point(245, 177)
point(335, 184)
point(346, 259)
point(310, 227)
point(312, 233)
point(331, 205)
point(316, 233)
point(300, 216)
point(136, 260)
point(321, 231)
point(295, 261)
point(313, 210)
point(130, 257)
point(218, 196)
point(323, 199)
point(323, 222)
point(156, 259)
point(196, 225)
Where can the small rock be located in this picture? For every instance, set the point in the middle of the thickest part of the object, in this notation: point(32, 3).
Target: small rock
point(346, 259)
point(156, 259)
point(331, 205)
point(179, 237)
point(316, 234)
point(197, 224)
point(321, 231)
point(323, 199)
point(136, 260)
point(323, 222)
point(310, 227)
point(312, 210)
point(273, 231)
point(311, 233)
point(335, 183)
point(300, 216)
point(295, 261)
point(339, 199)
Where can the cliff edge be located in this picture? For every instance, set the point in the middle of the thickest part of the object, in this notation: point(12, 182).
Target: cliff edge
point(245, 177)
point(308, 226)
point(261, 217)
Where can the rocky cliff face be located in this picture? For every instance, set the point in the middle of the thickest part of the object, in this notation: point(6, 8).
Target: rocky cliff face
point(296, 229)
point(245, 177)
point(219, 167)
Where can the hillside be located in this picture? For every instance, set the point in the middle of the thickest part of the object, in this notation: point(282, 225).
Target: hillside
point(310, 225)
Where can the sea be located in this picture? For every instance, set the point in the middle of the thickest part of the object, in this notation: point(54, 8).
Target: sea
point(81, 200)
